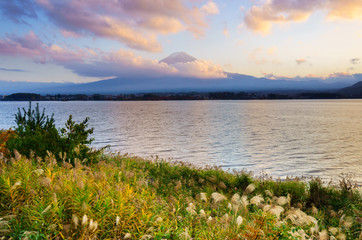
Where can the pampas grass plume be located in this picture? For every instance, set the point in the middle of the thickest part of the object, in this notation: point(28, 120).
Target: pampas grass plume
point(239, 221)
point(202, 213)
point(75, 220)
point(249, 189)
point(84, 220)
point(127, 236)
point(218, 197)
point(257, 200)
point(203, 197)
point(93, 225)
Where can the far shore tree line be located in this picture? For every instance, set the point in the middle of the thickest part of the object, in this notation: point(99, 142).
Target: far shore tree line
point(224, 95)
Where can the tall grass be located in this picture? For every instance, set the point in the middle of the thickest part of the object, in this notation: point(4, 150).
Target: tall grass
point(125, 197)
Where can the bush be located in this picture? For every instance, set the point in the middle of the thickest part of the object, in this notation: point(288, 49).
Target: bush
point(36, 133)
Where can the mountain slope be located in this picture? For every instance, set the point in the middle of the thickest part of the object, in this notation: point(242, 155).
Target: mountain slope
point(234, 82)
point(353, 91)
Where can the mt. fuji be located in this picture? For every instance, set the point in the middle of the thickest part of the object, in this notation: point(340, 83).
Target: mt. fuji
point(178, 57)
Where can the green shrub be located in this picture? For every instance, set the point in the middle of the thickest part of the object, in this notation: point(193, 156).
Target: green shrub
point(36, 134)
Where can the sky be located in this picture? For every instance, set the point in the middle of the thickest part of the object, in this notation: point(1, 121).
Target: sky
point(89, 40)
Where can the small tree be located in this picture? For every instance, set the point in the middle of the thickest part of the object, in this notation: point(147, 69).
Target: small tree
point(36, 132)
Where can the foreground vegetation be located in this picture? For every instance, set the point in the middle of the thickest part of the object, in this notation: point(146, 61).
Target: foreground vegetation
point(91, 195)
point(133, 198)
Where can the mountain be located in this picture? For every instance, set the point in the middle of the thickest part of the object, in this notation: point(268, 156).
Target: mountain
point(233, 82)
point(178, 57)
point(353, 91)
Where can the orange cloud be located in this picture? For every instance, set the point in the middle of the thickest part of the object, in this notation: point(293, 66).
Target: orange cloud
point(300, 61)
point(262, 17)
point(350, 9)
point(210, 8)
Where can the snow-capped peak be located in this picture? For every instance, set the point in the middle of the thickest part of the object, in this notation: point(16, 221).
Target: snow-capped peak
point(178, 57)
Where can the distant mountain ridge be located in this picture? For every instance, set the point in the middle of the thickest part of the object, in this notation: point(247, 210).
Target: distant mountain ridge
point(233, 82)
point(353, 91)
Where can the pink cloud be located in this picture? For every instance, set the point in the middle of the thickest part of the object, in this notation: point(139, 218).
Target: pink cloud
point(135, 23)
point(88, 62)
point(30, 46)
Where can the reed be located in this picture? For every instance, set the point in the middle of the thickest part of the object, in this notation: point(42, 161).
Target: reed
point(127, 197)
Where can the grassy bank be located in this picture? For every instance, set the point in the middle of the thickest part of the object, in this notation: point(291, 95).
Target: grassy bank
point(125, 197)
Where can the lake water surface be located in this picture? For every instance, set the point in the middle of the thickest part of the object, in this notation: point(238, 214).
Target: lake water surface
point(281, 138)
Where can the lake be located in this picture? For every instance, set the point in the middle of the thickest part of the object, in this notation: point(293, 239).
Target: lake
point(278, 137)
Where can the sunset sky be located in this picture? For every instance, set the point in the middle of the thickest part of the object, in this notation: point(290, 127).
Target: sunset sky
point(89, 40)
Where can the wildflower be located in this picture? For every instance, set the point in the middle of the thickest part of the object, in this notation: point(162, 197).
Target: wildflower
point(239, 220)
point(38, 172)
point(249, 189)
point(117, 220)
point(84, 220)
point(203, 197)
point(46, 209)
point(218, 197)
point(93, 225)
point(202, 213)
point(75, 220)
point(257, 200)
point(127, 236)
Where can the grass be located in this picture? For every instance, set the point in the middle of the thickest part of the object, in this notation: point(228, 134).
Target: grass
point(126, 197)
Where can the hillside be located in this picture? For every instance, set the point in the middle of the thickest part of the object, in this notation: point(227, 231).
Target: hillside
point(353, 91)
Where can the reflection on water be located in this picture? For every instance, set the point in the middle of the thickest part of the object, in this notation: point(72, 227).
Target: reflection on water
point(280, 138)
